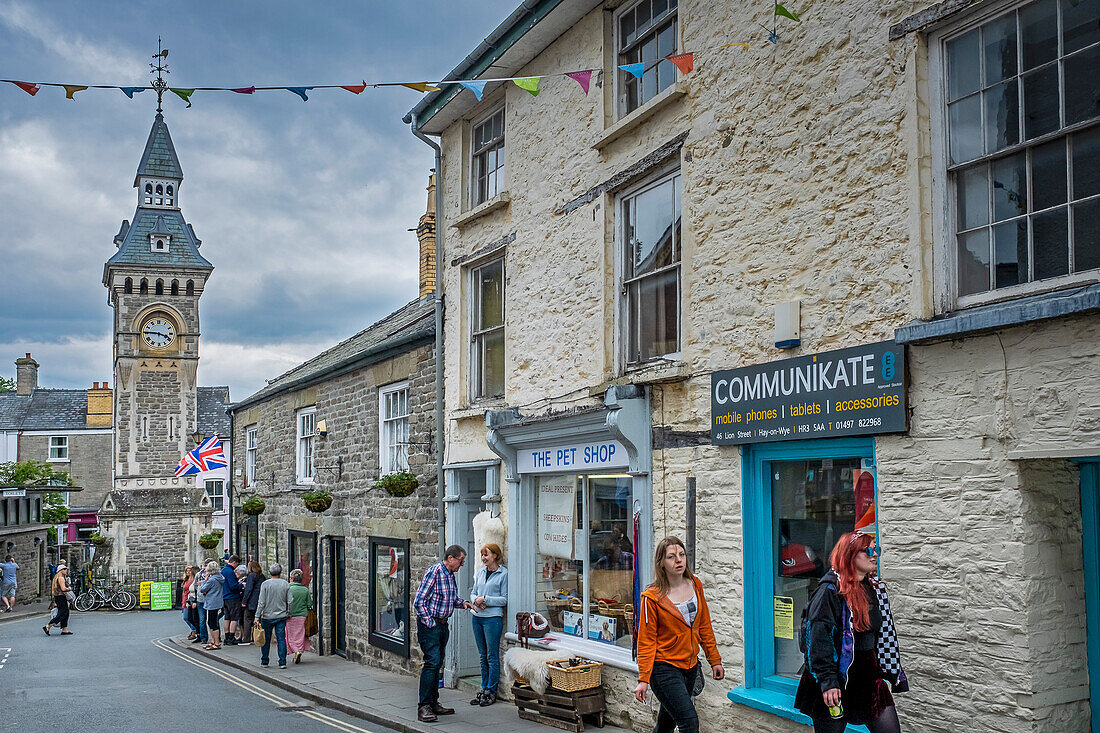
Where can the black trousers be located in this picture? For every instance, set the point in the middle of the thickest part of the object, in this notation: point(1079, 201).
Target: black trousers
point(62, 617)
point(672, 686)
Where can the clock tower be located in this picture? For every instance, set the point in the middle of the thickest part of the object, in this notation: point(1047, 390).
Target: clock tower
point(154, 282)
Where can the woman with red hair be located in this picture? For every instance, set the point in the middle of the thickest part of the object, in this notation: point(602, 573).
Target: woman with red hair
point(850, 644)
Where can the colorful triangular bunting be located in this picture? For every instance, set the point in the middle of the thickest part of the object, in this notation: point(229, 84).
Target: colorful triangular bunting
point(635, 70)
point(71, 89)
point(477, 87)
point(584, 78)
point(184, 94)
point(685, 62)
point(780, 10)
point(530, 84)
point(421, 86)
point(355, 88)
point(300, 91)
point(131, 91)
point(244, 90)
point(28, 87)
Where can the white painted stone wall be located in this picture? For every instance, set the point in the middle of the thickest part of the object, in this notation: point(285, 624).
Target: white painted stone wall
point(806, 176)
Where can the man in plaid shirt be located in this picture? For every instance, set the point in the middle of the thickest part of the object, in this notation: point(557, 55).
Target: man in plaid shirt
point(436, 599)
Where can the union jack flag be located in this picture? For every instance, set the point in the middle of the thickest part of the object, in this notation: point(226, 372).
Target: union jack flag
point(207, 457)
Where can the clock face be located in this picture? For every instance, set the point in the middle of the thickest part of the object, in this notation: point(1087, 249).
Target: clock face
point(158, 333)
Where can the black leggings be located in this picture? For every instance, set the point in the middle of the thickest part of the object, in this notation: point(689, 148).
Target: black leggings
point(887, 722)
point(212, 618)
point(672, 686)
point(62, 617)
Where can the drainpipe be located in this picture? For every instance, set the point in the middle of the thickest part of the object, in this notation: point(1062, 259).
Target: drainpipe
point(229, 487)
point(439, 482)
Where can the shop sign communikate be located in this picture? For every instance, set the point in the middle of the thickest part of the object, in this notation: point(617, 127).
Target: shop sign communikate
point(856, 391)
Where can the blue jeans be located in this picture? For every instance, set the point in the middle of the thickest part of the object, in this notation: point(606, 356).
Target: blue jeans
point(187, 616)
point(204, 633)
point(277, 627)
point(433, 643)
point(487, 631)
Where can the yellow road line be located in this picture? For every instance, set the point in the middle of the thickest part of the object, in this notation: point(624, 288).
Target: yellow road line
point(280, 702)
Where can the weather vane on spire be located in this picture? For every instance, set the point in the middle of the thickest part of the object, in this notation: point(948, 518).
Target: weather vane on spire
point(159, 67)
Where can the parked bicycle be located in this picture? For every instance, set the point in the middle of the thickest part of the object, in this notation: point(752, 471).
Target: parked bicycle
point(98, 596)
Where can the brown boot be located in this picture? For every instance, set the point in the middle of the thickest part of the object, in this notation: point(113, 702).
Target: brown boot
point(440, 710)
point(425, 715)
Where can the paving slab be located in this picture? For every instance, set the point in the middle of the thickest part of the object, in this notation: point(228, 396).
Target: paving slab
point(384, 698)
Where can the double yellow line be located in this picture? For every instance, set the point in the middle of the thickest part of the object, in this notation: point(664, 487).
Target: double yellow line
point(167, 646)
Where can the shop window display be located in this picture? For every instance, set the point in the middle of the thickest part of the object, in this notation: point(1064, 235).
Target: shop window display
point(586, 556)
point(390, 594)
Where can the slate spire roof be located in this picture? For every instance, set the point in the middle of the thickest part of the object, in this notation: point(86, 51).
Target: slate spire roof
point(159, 159)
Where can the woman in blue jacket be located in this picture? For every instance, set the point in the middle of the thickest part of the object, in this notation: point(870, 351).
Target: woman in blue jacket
point(212, 602)
point(490, 595)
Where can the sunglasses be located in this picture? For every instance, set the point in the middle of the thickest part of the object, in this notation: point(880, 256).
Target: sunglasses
point(872, 551)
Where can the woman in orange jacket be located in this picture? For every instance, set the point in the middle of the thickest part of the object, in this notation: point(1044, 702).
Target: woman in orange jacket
point(675, 621)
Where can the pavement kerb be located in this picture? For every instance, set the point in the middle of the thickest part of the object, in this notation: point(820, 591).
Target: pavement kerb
point(40, 609)
point(336, 703)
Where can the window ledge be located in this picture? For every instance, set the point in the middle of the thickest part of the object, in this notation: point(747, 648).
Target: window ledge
point(610, 655)
point(476, 409)
point(971, 321)
point(499, 201)
point(633, 120)
point(660, 371)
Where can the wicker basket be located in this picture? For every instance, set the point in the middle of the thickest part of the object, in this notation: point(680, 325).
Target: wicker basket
point(572, 679)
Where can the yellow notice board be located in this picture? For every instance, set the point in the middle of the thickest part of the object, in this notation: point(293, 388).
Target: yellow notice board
point(783, 611)
point(146, 592)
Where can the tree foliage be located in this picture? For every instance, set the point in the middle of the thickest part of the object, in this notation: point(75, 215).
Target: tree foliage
point(32, 473)
point(7, 385)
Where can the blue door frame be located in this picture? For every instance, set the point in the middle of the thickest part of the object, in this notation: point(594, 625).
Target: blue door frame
point(763, 689)
point(1090, 547)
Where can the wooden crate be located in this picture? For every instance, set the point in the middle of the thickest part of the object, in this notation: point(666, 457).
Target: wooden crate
point(565, 710)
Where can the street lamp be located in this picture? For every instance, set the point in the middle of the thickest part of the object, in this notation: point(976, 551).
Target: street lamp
point(197, 437)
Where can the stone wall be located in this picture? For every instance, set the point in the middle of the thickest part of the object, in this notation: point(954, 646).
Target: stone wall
point(805, 175)
point(89, 464)
point(32, 578)
point(348, 404)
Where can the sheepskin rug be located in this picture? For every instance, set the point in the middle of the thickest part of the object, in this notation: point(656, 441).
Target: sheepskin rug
point(528, 663)
point(487, 528)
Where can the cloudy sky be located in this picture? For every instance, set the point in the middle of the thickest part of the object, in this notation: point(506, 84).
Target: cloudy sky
point(303, 208)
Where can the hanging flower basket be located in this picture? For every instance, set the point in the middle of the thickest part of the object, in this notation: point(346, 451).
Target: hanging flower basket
point(317, 501)
point(209, 541)
point(398, 484)
point(98, 539)
point(253, 506)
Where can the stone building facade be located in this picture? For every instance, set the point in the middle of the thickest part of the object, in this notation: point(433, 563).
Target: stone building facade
point(815, 174)
point(337, 423)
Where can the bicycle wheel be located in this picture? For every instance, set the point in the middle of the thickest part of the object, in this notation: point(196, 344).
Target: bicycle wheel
point(128, 601)
point(84, 602)
point(118, 601)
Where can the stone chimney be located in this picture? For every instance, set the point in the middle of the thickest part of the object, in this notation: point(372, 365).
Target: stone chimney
point(425, 234)
point(26, 375)
point(99, 406)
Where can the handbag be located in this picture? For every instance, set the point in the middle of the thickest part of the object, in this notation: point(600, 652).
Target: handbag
point(531, 626)
point(70, 596)
point(700, 679)
point(311, 622)
point(258, 636)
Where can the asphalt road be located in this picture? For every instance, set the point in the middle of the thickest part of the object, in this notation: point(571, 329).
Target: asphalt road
point(118, 672)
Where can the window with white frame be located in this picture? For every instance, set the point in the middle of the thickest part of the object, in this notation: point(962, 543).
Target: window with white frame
point(215, 490)
point(1021, 101)
point(645, 33)
point(487, 330)
point(487, 163)
point(250, 440)
point(649, 234)
point(306, 434)
point(393, 427)
point(59, 447)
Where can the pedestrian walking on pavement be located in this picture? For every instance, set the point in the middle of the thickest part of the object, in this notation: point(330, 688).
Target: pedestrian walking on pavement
point(60, 589)
point(674, 623)
point(231, 598)
point(436, 599)
point(212, 602)
point(272, 609)
point(186, 583)
point(850, 645)
point(489, 596)
point(8, 580)
point(301, 602)
point(250, 597)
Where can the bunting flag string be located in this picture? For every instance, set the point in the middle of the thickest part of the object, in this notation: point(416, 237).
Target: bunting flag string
point(684, 62)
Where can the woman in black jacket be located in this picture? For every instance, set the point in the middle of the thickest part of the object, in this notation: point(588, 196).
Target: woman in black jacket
point(250, 597)
point(850, 644)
